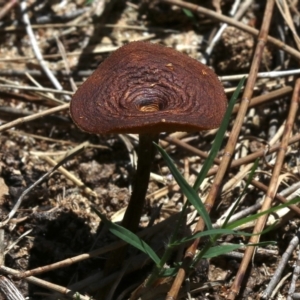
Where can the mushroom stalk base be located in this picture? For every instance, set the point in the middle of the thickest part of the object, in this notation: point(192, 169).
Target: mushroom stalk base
point(146, 152)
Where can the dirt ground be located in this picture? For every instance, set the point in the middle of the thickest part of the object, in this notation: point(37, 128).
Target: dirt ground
point(47, 221)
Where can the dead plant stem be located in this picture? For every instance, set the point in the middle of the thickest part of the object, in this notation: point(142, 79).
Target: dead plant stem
point(270, 193)
point(231, 21)
point(215, 189)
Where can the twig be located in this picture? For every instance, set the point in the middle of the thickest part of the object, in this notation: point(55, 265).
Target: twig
point(47, 285)
point(280, 284)
point(271, 74)
point(285, 12)
point(49, 173)
point(248, 211)
point(57, 141)
point(70, 176)
point(229, 150)
point(104, 49)
point(218, 35)
point(281, 266)
point(291, 189)
point(271, 190)
point(36, 50)
point(296, 272)
point(231, 21)
point(7, 7)
point(47, 96)
point(238, 162)
point(2, 246)
point(66, 63)
point(88, 24)
point(33, 117)
point(33, 88)
point(38, 73)
point(106, 249)
point(9, 290)
point(278, 196)
point(12, 245)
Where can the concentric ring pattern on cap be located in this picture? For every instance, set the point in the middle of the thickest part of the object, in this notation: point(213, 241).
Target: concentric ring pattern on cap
point(148, 88)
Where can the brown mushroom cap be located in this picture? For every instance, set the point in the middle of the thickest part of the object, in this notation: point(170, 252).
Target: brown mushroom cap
point(148, 88)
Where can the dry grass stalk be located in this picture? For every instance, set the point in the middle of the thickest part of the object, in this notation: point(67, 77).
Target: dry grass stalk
point(271, 191)
point(215, 189)
point(34, 116)
point(233, 22)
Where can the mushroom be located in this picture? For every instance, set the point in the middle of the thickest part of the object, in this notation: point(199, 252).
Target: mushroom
point(147, 88)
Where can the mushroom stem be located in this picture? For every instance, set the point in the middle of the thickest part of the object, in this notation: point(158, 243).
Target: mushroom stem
point(146, 152)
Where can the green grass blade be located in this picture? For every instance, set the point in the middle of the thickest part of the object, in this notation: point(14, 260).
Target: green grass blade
point(188, 13)
point(219, 137)
point(128, 237)
point(187, 190)
point(256, 216)
point(217, 233)
point(223, 249)
point(170, 272)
